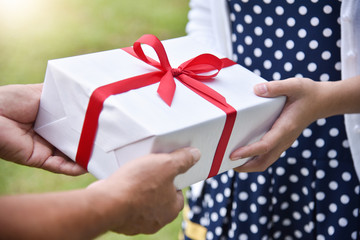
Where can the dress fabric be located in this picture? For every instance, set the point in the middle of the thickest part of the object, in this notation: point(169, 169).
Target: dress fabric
point(312, 191)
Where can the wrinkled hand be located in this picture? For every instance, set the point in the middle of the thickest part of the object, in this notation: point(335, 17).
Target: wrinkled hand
point(302, 107)
point(18, 141)
point(145, 187)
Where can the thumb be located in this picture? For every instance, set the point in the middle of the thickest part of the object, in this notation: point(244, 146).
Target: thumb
point(273, 89)
point(185, 158)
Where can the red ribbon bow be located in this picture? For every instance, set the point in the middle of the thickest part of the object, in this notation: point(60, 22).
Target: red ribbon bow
point(190, 73)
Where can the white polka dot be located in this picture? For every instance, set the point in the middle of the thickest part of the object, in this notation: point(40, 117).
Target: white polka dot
point(257, 9)
point(295, 197)
point(209, 235)
point(248, 40)
point(333, 185)
point(218, 231)
point(327, 32)
point(334, 132)
point(290, 1)
point(280, 171)
point(267, 1)
point(253, 208)
point(333, 207)
point(293, 178)
point(279, 33)
point(300, 56)
point(227, 192)
point(257, 52)
point(239, 28)
point(261, 179)
point(298, 234)
point(332, 153)
point(243, 175)
point(331, 230)
point(258, 31)
point(314, 21)
point(320, 174)
point(232, 17)
point(344, 199)
point(306, 153)
point(253, 187)
point(214, 216)
point(224, 178)
point(320, 196)
point(321, 122)
point(319, 142)
point(268, 43)
point(233, 37)
point(267, 64)
point(248, 61)
point(214, 184)
point(288, 66)
point(302, 10)
point(243, 217)
point(219, 197)
point(326, 55)
point(286, 222)
point(320, 237)
point(243, 236)
point(333, 163)
point(269, 21)
point(240, 49)
point(290, 44)
point(237, 7)
point(320, 217)
point(324, 77)
point(302, 33)
point(284, 205)
point(261, 200)
point(327, 9)
point(276, 76)
point(248, 19)
point(338, 66)
point(278, 54)
point(279, 10)
point(313, 44)
point(291, 161)
point(312, 67)
point(282, 189)
point(263, 220)
point(343, 222)
point(243, 196)
point(253, 228)
point(291, 22)
point(304, 172)
point(305, 191)
point(296, 215)
point(307, 132)
point(345, 144)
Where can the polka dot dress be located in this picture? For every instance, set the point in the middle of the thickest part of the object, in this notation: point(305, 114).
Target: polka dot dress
point(312, 191)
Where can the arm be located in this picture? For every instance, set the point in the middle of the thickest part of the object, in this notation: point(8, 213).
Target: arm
point(139, 198)
point(307, 101)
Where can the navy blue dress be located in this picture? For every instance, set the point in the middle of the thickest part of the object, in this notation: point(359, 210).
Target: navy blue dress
point(312, 191)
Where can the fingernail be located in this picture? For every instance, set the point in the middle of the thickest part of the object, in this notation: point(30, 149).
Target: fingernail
point(261, 89)
point(195, 153)
point(236, 155)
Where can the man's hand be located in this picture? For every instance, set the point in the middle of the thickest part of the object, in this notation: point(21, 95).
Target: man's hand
point(145, 187)
point(18, 142)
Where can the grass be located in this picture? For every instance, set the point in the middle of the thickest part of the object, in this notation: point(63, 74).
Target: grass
point(35, 31)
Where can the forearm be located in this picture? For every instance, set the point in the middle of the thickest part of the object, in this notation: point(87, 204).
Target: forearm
point(341, 97)
point(79, 214)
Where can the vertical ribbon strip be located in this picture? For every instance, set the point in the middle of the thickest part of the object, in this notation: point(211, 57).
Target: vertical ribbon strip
point(190, 73)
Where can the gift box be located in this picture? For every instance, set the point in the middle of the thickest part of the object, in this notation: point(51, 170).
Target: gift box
point(104, 109)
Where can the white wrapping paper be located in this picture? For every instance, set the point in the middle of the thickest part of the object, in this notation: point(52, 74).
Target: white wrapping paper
point(138, 122)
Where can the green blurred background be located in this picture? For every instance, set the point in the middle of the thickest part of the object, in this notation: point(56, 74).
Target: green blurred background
point(34, 31)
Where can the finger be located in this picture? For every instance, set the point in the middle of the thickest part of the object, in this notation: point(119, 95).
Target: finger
point(179, 201)
point(274, 88)
point(251, 150)
point(185, 158)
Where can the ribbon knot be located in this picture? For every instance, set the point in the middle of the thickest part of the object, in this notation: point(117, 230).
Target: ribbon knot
point(176, 71)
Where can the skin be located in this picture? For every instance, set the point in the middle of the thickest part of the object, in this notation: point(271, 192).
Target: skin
point(306, 102)
point(138, 198)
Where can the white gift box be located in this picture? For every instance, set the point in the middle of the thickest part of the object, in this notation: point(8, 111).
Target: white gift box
point(138, 122)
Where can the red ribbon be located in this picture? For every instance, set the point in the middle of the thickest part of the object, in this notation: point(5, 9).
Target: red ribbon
point(190, 73)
